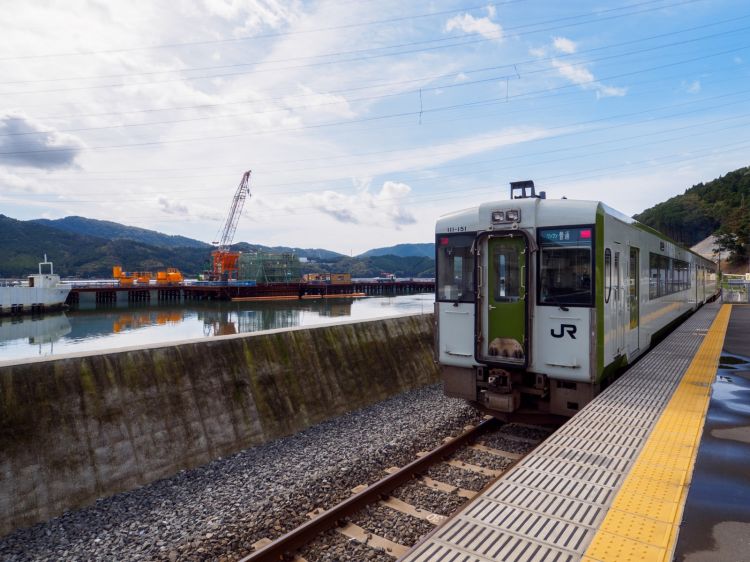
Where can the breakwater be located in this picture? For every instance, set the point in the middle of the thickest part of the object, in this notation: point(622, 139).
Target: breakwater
point(85, 426)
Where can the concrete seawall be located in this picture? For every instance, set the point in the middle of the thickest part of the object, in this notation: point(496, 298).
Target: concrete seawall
point(80, 427)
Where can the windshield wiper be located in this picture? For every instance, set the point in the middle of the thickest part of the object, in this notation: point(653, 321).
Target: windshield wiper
point(556, 301)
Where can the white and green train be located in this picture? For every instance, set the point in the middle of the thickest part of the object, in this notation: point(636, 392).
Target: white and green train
point(540, 303)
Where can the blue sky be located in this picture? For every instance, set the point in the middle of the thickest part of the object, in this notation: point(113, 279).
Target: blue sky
point(362, 121)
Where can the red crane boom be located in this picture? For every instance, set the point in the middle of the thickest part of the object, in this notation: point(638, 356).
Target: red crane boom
point(225, 261)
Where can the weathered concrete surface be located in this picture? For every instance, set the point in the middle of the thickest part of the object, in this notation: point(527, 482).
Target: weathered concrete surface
point(80, 427)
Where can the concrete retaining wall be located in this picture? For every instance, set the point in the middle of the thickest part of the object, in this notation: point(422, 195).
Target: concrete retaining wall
point(80, 427)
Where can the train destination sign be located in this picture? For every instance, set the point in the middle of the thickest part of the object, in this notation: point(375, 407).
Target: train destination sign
point(565, 235)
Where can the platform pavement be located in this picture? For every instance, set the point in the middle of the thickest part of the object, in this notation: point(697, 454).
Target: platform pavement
point(612, 483)
point(715, 524)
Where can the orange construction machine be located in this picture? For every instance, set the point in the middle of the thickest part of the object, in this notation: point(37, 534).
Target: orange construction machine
point(225, 261)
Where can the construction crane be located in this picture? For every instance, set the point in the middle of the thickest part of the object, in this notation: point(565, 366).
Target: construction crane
point(225, 261)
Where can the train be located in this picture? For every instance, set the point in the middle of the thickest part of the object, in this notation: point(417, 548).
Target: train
point(541, 303)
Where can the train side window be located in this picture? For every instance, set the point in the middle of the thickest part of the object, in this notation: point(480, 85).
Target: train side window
point(607, 274)
point(455, 268)
point(653, 276)
point(667, 276)
point(565, 266)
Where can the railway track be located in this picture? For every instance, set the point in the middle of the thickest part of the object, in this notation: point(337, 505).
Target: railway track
point(382, 521)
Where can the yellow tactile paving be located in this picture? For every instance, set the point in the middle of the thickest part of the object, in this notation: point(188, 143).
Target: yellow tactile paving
point(643, 521)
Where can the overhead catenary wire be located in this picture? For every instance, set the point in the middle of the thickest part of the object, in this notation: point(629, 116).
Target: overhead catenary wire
point(338, 123)
point(343, 26)
point(358, 59)
point(423, 79)
point(261, 186)
point(400, 149)
point(375, 97)
point(267, 35)
point(462, 194)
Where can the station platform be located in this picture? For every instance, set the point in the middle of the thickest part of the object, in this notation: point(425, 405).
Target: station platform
point(617, 481)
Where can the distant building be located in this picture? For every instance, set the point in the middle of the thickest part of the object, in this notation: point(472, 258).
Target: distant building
point(328, 278)
point(262, 267)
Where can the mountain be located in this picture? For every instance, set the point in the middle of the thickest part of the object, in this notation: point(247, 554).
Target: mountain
point(375, 266)
point(78, 254)
point(313, 254)
point(24, 243)
point(720, 207)
point(115, 231)
point(425, 250)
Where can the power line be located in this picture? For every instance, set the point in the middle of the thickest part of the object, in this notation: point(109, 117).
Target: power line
point(348, 122)
point(261, 186)
point(352, 25)
point(285, 97)
point(269, 35)
point(357, 59)
point(733, 118)
point(370, 98)
point(462, 194)
point(369, 153)
point(338, 53)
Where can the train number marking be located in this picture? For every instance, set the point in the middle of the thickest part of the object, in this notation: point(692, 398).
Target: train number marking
point(569, 328)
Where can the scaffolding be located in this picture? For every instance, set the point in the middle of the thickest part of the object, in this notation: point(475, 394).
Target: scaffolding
point(262, 267)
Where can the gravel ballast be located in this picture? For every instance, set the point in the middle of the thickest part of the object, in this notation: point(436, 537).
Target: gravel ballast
point(458, 477)
point(480, 458)
point(216, 512)
point(507, 444)
point(432, 500)
point(392, 525)
point(335, 547)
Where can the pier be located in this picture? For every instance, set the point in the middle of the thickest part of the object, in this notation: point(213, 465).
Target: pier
point(115, 293)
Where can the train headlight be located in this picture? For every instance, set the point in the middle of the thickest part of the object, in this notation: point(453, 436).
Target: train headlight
point(498, 216)
point(513, 216)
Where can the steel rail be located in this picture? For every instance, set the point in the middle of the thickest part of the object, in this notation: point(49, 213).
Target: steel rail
point(307, 532)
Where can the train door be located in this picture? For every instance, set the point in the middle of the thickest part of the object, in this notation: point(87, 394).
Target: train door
point(506, 301)
point(634, 300)
point(619, 306)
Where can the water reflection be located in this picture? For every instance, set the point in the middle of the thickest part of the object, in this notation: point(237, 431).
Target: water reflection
point(40, 332)
point(113, 326)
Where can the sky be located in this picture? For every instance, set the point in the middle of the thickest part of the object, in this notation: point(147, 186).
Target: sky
point(362, 121)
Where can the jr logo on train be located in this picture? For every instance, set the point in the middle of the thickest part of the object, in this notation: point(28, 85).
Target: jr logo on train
point(540, 303)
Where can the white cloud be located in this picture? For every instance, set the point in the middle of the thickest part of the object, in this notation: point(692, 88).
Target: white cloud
point(564, 45)
point(13, 182)
point(254, 15)
point(319, 103)
point(604, 91)
point(579, 74)
point(538, 52)
point(694, 87)
point(469, 24)
point(363, 207)
point(576, 73)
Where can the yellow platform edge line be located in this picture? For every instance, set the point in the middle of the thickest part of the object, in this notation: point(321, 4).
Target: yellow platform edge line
point(633, 530)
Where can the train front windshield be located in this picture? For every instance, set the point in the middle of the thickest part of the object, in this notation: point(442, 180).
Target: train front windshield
point(455, 268)
point(565, 270)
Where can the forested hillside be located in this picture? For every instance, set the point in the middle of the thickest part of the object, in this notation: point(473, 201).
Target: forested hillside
point(424, 250)
point(114, 231)
point(721, 206)
point(24, 243)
